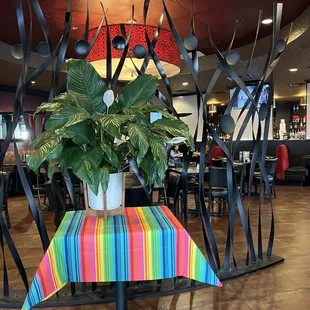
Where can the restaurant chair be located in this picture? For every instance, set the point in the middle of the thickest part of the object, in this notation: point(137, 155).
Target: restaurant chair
point(270, 167)
point(217, 162)
point(173, 191)
point(34, 183)
point(240, 170)
point(77, 187)
point(217, 190)
point(6, 178)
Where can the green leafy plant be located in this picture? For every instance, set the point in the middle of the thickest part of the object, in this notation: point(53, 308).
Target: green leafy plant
point(94, 140)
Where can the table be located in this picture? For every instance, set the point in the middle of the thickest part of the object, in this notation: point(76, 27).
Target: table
point(146, 243)
point(191, 172)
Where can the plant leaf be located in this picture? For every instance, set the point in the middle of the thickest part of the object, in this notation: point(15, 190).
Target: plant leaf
point(51, 149)
point(139, 139)
point(95, 156)
point(59, 102)
point(75, 158)
point(139, 91)
point(85, 86)
point(105, 178)
point(148, 168)
point(112, 123)
point(157, 148)
point(95, 180)
point(83, 133)
point(66, 117)
point(40, 140)
point(51, 168)
point(170, 125)
point(174, 128)
point(111, 155)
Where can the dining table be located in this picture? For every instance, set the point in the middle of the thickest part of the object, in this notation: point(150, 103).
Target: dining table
point(145, 243)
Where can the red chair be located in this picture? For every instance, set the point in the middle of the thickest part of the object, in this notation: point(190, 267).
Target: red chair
point(216, 153)
point(283, 162)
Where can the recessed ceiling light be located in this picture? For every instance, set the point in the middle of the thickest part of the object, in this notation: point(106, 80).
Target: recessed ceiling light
point(222, 103)
point(74, 27)
point(130, 20)
point(184, 83)
point(32, 82)
point(267, 21)
point(293, 70)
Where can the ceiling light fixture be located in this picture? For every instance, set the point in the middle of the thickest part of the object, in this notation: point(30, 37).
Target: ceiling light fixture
point(131, 21)
point(212, 109)
point(293, 70)
point(184, 83)
point(74, 27)
point(222, 103)
point(32, 82)
point(267, 21)
point(166, 50)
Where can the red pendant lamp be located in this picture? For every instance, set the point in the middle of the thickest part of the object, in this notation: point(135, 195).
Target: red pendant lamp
point(166, 50)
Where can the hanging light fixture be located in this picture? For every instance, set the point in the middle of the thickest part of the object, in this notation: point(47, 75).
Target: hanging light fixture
point(166, 50)
point(212, 109)
point(303, 102)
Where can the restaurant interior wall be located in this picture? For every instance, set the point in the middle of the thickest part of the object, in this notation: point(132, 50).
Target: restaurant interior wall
point(188, 104)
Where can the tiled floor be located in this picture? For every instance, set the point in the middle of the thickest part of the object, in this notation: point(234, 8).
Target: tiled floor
point(286, 286)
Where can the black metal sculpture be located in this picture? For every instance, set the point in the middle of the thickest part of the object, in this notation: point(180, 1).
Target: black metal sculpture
point(188, 48)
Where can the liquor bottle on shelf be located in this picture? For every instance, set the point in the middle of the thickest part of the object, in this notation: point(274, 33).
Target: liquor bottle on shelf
point(297, 108)
point(294, 109)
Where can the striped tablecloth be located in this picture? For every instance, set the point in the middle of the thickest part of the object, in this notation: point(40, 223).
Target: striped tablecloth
point(147, 243)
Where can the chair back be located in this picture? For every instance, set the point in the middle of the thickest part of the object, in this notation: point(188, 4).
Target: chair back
point(217, 177)
point(217, 162)
point(136, 197)
point(241, 172)
point(283, 162)
point(173, 185)
point(5, 177)
point(270, 166)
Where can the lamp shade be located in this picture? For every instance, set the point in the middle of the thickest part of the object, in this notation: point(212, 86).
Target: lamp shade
point(166, 50)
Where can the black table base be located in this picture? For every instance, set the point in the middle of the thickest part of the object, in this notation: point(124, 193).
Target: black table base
point(121, 295)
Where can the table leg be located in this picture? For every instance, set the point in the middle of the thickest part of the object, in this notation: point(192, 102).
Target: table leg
point(121, 295)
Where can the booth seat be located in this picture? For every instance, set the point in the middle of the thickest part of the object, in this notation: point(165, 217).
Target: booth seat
point(286, 172)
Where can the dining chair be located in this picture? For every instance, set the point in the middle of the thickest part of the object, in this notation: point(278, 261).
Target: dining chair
point(173, 191)
point(217, 162)
point(217, 189)
point(270, 167)
point(240, 171)
point(34, 183)
point(6, 178)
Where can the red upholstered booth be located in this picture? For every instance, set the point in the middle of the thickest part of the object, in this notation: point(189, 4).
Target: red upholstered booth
point(216, 153)
point(283, 162)
point(283, 169)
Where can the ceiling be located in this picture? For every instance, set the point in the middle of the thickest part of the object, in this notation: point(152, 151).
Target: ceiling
point(221, 15)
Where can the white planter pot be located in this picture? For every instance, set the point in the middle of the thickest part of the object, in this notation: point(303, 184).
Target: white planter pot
point(114, 194)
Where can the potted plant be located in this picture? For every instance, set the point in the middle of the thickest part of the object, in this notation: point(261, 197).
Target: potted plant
point(94, 133)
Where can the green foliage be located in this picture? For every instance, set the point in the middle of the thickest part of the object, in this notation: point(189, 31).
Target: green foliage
point(93, 141)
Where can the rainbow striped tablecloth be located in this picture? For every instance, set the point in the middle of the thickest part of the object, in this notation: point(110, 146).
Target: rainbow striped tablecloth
point(147, 243)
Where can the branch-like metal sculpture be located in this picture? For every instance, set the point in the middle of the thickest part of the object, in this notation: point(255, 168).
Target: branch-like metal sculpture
point(188, 49)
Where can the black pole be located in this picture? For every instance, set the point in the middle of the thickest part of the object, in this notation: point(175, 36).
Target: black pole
point(121, 295)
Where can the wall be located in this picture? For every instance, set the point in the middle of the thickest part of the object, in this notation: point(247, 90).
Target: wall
point(31, 102)
point(247, 135)
point(188, 104)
